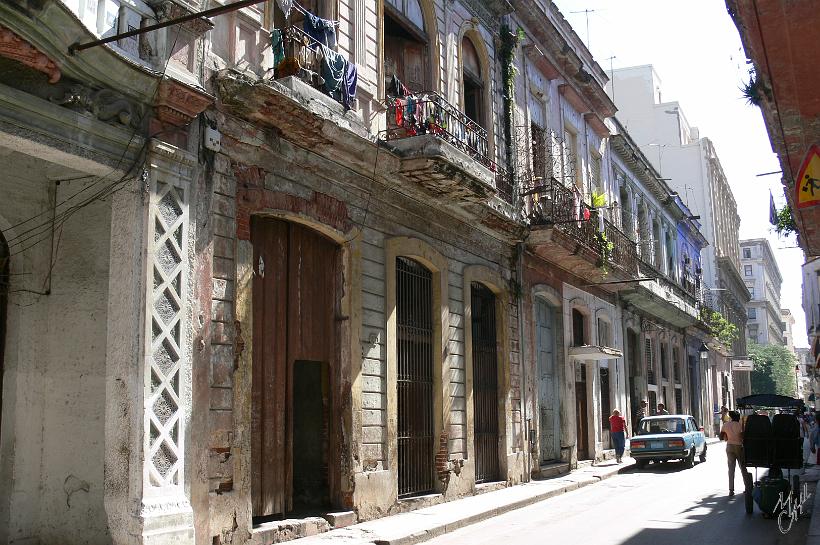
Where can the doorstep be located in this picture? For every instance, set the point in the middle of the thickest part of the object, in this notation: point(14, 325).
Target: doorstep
point(548, 471)
point(424, 524)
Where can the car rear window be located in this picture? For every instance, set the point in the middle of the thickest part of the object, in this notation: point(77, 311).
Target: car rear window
point(661, 425)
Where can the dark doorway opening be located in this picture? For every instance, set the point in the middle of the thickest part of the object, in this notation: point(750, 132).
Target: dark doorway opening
point(606, 407)
point(294, 451)
point(578, 333)
point(581, 423)
point(311, 411)
point(485, 383)
point(405, 51)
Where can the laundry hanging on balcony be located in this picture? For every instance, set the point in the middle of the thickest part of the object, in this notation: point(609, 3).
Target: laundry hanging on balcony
point(321, 30)
point(285, 6)
point(277, 46)
point(340, 77)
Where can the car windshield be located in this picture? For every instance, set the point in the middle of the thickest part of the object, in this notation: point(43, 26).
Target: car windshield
point(661, 425)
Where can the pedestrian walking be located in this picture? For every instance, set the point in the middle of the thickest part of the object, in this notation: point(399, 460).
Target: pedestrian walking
point(724, 414)
point(617, 427)
point(815, 437)
point(732, 433)
point(641, 412)
point(662, 409)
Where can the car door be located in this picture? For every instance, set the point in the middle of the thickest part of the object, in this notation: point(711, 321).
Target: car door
point(697, 434)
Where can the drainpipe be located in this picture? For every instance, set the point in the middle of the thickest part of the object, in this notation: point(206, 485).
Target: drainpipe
point(524, 362)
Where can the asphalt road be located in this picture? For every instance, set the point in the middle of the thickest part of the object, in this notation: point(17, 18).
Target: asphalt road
point(661, 505)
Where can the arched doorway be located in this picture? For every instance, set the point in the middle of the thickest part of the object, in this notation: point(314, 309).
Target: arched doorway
point(407, 43)
point(472, 82)
point(294, 448)
point(548, 406)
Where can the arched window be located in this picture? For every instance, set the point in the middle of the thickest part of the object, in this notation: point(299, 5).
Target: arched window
point(406, 47)
point(472, 84)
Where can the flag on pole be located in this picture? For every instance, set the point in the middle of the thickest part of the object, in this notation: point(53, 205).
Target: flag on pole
point(772, 210)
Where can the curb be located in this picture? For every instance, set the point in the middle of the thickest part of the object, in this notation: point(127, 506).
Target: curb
point(436, 531)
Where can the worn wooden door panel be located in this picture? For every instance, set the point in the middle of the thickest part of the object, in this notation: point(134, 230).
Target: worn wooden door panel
point(311, 311)
point(269, 377)
point(547, 399)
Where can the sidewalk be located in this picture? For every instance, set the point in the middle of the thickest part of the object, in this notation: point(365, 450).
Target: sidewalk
point(424, 524)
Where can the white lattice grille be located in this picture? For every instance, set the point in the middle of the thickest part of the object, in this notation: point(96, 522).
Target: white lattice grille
point(164, 414)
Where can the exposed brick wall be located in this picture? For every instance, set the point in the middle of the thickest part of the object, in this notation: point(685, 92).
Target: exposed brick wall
point(223, 329)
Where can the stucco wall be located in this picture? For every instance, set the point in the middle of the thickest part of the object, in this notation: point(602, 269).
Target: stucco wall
point(54, 385)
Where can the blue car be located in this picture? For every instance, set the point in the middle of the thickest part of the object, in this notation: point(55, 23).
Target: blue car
point(668, 437)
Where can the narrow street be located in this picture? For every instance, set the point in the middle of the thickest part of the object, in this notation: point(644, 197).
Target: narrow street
point(662, 504)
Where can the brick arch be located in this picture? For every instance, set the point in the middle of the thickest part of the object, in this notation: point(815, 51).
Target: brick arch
point(321, 211)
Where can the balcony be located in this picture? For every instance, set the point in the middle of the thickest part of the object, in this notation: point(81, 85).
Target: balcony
point(664, 298)
point(569, 233)
point(293, 99)
point(441, 148)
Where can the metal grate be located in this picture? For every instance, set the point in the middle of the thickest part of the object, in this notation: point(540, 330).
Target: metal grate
point(678, 401)
point(648, 360)
point(414, 308)
point(485, 383)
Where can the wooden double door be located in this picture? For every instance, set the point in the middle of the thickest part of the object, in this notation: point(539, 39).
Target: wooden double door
point(294, 439)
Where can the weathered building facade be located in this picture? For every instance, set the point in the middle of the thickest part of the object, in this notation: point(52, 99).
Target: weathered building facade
point(237, 294)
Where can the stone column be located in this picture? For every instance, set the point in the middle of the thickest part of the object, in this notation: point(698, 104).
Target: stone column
point(148, 391)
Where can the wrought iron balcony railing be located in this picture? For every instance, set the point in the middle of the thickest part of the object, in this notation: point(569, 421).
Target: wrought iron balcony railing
point(554, 204)
point(430, 113)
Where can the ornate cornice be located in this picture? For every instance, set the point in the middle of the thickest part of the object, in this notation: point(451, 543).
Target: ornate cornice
point(16, 48)
point(178, 104)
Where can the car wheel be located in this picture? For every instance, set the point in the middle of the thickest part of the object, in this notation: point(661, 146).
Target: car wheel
point(689, 461)
point(641, 464)
point(703, 454)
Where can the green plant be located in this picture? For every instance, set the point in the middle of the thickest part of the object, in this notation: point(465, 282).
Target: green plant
point(754, 91)
point(598, 200)
point(606, 247)
point(774, 369)
point(785, 221)
point(509, 43)
point(722, 329)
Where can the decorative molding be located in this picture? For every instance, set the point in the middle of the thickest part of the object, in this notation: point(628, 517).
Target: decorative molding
point(16, 48)
point(166, 335)
point(178, 104)
point(169, 9)
point(104, 104)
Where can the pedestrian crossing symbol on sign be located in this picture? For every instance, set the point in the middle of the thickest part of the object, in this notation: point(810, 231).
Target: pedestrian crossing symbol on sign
point(807, 184)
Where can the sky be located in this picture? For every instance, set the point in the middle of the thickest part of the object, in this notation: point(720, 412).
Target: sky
point(696, 51)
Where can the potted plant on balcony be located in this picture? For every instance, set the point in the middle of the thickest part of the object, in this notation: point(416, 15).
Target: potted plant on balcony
point(605, 246)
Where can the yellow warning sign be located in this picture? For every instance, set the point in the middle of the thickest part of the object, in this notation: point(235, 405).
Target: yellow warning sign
point(807, 184)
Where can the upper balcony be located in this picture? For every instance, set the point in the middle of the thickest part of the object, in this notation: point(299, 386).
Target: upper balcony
point(442, 149)
point(305, 97)
point(664, 298)
point(571, 234)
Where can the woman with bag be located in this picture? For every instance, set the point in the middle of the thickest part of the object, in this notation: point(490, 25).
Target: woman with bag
point(617, 427)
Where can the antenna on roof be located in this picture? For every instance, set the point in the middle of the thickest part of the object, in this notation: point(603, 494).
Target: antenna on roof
point(586, 13)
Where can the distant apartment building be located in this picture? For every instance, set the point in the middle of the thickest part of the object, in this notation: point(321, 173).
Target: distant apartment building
point(690, 166)
point(762, 277)
point(788, 329)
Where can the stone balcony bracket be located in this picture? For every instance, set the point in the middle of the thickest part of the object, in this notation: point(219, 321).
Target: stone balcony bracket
point(594, 353)
point(443, 169)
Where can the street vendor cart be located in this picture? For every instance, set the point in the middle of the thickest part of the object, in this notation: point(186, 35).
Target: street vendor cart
point(771, 442)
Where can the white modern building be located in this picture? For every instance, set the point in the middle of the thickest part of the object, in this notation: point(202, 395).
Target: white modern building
point(763, 280)
point(691, 168)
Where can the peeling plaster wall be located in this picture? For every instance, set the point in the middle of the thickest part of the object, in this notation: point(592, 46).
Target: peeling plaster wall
point(52, 445)
point(295, 178)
